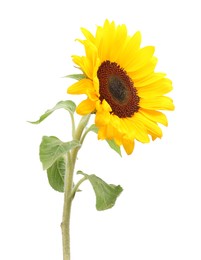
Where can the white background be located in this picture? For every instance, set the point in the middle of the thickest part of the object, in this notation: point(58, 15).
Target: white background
point(158, 215)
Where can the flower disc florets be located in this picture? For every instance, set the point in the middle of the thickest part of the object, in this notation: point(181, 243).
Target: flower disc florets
point(117, 89)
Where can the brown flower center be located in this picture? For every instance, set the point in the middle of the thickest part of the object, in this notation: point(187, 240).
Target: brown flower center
point(117, 89)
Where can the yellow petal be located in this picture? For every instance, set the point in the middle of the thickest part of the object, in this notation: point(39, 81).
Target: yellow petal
point(103, 106)
point(150, 79)
point(119, 44)
point(106, 43)
point(79, 61)
point(129, 50)
point(128, 145)
point(141, 58)
point(136, 129)
point(145, 71)
point(84, 64)
point(91, 51)
point(102, 133)
point(151, 126)
point(110, 132)
point(118, 138)
point(157, 103)
point(89, 36)
point(102, 118)
point(92, 95)
point(158, 88)
point(81, 87)
point(155, 116)
point(86, 107)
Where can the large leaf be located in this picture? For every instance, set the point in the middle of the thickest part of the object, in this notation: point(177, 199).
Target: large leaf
point(111, 143)
point(56, 174)
point(67, 105)
point(51, 148)
point(76, 76)
point(106, 194)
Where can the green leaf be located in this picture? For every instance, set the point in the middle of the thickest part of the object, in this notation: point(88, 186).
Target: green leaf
point(114, 146)
point(51, 148)
point(67, 105)
point(76, 76)
point(56, 174)
point(111, 143)
point(106, 194)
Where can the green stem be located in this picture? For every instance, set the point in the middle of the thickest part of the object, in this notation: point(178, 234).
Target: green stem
point(73, 124)
point(84, 135)
point(71, 159)
point(67, 209)
point(76, 187)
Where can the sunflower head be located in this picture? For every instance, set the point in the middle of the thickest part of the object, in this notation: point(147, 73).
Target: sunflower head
point(121, 86)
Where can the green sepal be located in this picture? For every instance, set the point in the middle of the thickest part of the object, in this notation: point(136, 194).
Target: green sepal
point(67, 105)
point(56, 174)
point(114, 146)
point(76, 76)
point(111, 143)
point(51, 149)
point(106, 194)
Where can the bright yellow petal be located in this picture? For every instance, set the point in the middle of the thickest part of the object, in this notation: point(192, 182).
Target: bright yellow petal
point(84, 64)
point(110, 132)
point(129, 50)
point(86, 107)
point(157, 103)
point(81, 87)
point(155, 116)
point(118, 138)
point(92, 95)
point(152, 128)
point(119, 44)
point(136, 129)
point(128, 145)
point(145, 71)
point(102, 133)
point(107, 40)
point(102, 118)
point(150, 79)
point(142, 57)
point(155, 89)
point(89, 36)
point(79, 61)
point(153, 136)
point(91, 51)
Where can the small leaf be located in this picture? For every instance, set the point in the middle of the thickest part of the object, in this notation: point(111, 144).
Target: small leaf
point(76, 76)
point(111, 143)
point(51, 148)
point(56, 174)
point(114, 146)
point(106, 194)
point(67, 105)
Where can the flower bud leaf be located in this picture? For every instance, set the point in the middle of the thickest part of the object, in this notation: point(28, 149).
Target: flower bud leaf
point(67, 105)
point(51, 149)
point(106, 194)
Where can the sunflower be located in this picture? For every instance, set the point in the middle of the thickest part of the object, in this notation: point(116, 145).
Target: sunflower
point(121, 86)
